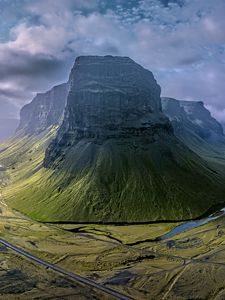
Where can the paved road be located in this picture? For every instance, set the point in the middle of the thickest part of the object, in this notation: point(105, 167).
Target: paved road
point(67, 274)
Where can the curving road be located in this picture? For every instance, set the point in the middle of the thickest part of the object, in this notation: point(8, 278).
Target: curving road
point(67, 274)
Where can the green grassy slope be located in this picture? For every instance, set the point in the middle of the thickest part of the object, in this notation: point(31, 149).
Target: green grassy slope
point(110, 182)
point(213, 154)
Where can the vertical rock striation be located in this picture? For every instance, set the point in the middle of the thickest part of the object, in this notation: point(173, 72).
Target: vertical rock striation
point(110, 98)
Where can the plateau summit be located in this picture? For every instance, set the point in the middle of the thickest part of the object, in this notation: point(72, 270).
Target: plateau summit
point(108, 153)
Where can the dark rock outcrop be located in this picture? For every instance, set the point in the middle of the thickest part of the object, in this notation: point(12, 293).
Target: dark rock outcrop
point(44, 111)
point(109, 97)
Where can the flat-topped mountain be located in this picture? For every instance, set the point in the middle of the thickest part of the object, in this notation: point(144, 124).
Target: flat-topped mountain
point(115, 157)
point(43, 111)
point(118, 154)
point(110, 97)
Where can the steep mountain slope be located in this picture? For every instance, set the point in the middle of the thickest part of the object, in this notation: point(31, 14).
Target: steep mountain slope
point(195, 126)
point(44, 111)
point(115, 157)
point(7, 128)
point(192, 117)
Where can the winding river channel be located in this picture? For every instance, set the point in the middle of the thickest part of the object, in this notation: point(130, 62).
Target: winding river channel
point(192, 224)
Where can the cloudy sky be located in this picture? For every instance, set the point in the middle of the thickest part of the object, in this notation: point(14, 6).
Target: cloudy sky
point(181, 41)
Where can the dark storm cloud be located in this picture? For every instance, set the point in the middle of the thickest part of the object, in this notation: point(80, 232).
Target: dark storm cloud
point(21, 63)
point(23, 73)
point(12, 94)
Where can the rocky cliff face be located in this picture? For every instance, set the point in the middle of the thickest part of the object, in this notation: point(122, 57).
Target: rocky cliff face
point(193, 118)
point(109, 97)
point(45, 110)
point(115, 157)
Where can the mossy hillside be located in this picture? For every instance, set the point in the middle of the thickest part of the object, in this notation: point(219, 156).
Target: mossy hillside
point(214, 155)
point(22, 148)
point(111, 182)
point(23, 156)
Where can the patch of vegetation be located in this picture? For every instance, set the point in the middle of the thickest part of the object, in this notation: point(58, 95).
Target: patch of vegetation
point(109, 182)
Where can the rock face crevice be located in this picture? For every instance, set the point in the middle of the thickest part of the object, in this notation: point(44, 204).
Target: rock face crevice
point(45, 110)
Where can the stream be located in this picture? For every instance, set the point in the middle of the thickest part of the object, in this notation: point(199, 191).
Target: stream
point(192, 224)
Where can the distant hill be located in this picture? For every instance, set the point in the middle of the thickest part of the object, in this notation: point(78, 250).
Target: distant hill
point(192, 118)
point(7, 128)
point(195, 126)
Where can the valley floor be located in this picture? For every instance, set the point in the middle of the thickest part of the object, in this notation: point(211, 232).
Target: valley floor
point(129, 259)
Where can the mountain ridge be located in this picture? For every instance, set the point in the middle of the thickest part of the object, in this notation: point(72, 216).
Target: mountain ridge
point(198, 116)
point(45, 110)
point(195, 126)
